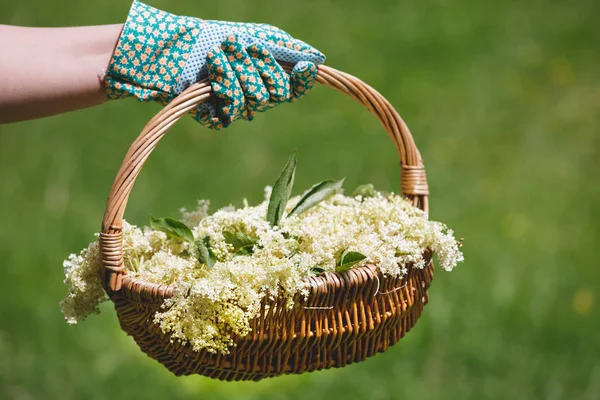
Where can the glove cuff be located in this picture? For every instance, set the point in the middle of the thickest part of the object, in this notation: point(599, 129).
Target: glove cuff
point(151, 53)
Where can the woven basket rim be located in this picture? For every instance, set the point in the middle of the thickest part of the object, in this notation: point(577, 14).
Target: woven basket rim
point(318, 284)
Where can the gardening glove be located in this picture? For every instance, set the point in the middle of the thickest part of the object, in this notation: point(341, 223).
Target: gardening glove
point(159, 55)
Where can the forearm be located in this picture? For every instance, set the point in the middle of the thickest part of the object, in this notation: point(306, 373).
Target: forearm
point(47, 71)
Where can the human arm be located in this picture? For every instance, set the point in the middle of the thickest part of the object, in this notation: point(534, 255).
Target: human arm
point(47, 71)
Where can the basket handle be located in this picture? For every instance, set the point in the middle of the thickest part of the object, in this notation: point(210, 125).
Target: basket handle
point(413, 178)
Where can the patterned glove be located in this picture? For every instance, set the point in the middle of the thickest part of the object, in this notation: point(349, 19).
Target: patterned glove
point(159, 55)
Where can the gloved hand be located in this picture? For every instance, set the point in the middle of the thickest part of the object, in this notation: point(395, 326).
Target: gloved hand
point(159, 55)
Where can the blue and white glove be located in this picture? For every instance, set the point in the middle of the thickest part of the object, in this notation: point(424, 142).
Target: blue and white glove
point(159, 55)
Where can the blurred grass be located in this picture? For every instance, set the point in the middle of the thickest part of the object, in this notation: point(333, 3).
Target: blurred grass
point(503, 98)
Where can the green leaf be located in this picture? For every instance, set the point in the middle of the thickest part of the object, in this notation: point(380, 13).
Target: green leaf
point(173, 228)
point(364, 191)
point(287, 235)
point(317, 271)
point(238, 239)
point(184, 253)
point(316, 194)
point(347, 259)
point(281, 192)
point(246, 250)
point(205, 253)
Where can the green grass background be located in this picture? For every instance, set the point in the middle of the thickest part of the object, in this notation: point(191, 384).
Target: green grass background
point(503, 99)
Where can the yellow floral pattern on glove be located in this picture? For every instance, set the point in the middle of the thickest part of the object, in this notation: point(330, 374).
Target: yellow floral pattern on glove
point(152, 50)
point(245, 81)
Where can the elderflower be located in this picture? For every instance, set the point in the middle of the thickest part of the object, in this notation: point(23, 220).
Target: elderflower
point(82, 277)
point(212, 304)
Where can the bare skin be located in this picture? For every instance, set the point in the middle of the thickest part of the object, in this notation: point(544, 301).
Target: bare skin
point(48, 71)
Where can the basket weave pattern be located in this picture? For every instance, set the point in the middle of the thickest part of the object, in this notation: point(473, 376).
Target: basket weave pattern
point(348, 316)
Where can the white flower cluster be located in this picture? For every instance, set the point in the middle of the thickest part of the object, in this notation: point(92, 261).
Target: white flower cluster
point(82, 277)
point(212, 304)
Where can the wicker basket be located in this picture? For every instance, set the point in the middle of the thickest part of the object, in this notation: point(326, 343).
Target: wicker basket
point(348, 316)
